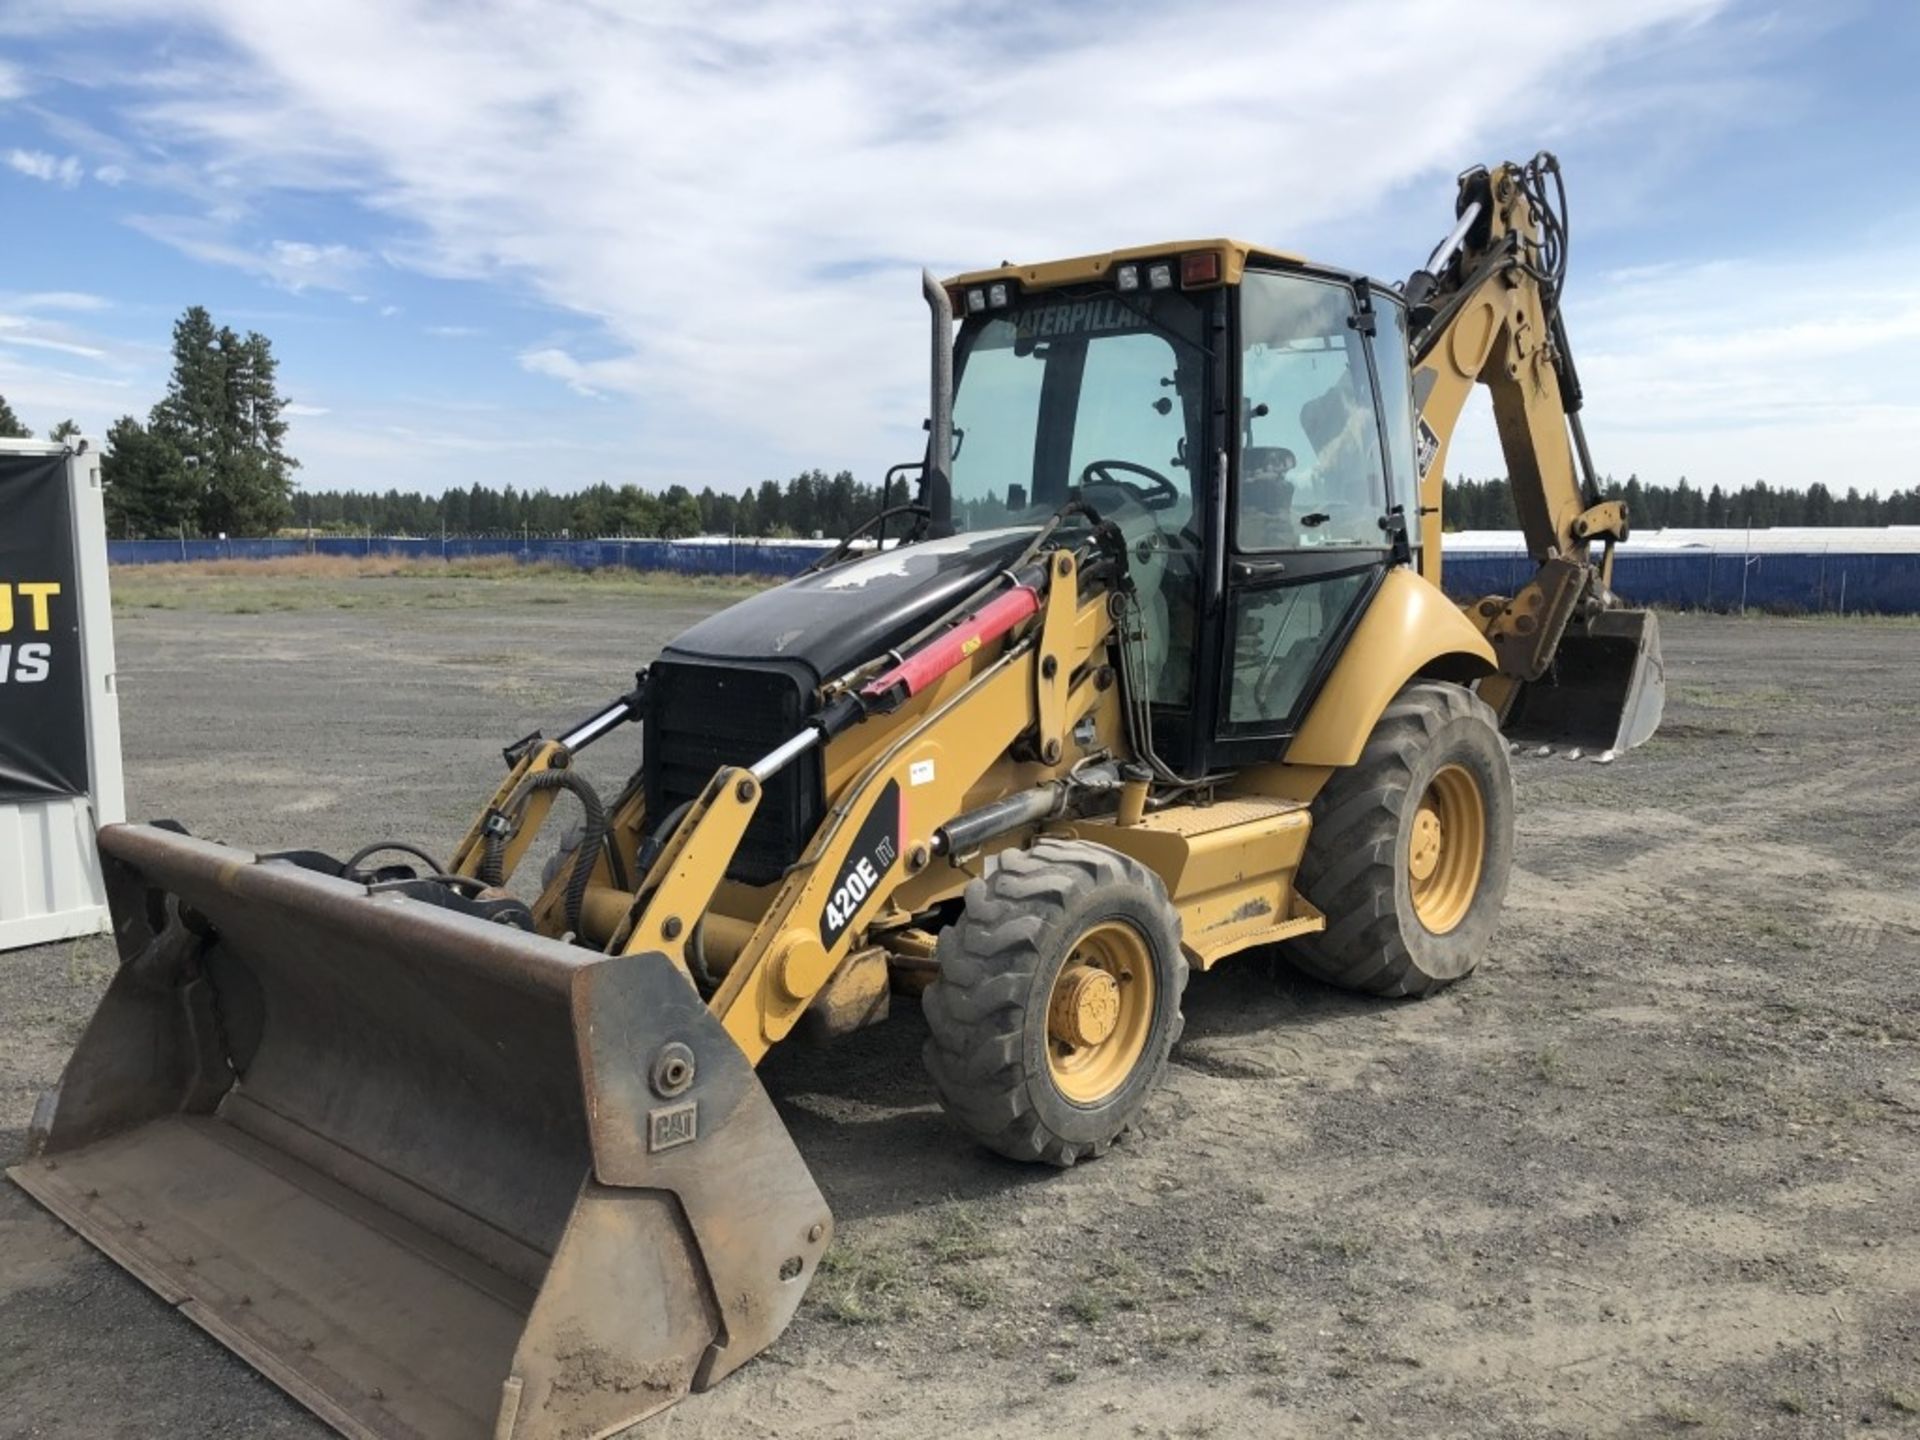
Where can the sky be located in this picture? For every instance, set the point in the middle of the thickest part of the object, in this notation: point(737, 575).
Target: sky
point(527, 242)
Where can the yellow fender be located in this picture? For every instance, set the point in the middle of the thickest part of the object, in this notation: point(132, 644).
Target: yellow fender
point(1411, 628)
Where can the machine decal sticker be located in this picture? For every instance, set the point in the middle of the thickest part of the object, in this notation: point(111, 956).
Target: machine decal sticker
point(1426, 445)
point(874, 851)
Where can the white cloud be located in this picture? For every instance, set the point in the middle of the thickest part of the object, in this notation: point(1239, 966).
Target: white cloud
point(74, 300)
point(62, 170)
point(13, 85)
point(108, 377)
point(307, 411)
point(291, 264)
point(455, 332)
point(110, 174)
point(41, 342)
point(737, 199)
point(741, 200)
point(1733, 371)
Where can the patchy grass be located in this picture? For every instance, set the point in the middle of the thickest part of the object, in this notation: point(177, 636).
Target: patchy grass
point(332, 582)
point(958, 1242)
point(1764, 697)
point(1347, 1245)
point(868, 1283)
point(1683, 1415)
point(1087, 1305)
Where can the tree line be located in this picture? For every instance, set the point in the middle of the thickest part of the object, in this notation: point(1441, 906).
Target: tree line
point(1488, 505)
point(810, 503)
point(813, 503)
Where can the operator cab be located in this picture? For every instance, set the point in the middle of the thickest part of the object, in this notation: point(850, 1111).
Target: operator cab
point(1253, 545)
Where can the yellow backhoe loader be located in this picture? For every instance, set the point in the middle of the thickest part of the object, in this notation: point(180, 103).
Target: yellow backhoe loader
point(1157, 670)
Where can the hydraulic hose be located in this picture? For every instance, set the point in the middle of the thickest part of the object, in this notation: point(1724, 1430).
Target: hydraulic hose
point(592, 837)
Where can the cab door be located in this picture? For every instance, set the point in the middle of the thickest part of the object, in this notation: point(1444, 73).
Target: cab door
point(1323, 458)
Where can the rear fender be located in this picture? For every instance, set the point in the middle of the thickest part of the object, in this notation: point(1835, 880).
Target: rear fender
point(1411, 628)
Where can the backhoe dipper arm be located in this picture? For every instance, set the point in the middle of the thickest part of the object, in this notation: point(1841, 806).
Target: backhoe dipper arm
point(1486, 312)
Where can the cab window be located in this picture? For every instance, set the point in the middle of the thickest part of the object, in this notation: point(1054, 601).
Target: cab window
point(1311, 471)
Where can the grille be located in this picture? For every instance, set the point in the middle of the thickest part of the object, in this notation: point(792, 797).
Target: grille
point(701, 717)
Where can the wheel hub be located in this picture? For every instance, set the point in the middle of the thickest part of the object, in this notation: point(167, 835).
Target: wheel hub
point(1446, 848)
point(1423, 850)
point(1086, 1007)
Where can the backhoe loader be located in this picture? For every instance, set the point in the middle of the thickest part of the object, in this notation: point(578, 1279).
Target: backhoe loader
point(1155, 671)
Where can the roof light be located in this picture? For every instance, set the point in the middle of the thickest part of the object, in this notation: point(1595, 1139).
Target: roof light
point(1199, 267)
point(997, 294)
point(976, 300)
point(1127, 277)
point(1160, 275)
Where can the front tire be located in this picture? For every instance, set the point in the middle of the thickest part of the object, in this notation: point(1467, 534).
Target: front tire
point(1057, 1001)
point(1411, 848)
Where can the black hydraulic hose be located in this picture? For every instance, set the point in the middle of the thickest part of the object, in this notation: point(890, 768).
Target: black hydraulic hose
point(585, 857)
point(352, 864)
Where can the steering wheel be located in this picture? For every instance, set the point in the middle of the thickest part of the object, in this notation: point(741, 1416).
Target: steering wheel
point(1157, 496)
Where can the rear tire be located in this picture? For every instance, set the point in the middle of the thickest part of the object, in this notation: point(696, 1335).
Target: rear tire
point(1057, 1001)
point(1411, 849)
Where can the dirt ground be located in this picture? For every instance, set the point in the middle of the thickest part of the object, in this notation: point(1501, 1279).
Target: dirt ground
point(1654, 1169)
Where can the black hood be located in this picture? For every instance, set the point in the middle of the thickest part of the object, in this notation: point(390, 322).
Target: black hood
point(828, 623)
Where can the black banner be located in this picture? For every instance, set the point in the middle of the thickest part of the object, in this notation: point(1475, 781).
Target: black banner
point(43, 717)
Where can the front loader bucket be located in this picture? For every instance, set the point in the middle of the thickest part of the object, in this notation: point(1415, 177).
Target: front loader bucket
point(1605, 690)
point(433, 1176)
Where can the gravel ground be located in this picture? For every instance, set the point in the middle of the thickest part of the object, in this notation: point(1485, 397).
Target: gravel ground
point(1653, 1169)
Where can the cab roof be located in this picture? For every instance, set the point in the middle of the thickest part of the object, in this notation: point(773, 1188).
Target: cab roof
point(1081, 268)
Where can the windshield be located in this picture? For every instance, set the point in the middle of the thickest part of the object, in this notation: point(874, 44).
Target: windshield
point(1065, 391)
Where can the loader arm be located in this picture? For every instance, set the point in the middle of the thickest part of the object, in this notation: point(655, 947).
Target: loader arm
point(879, 829)
point(1486, 311)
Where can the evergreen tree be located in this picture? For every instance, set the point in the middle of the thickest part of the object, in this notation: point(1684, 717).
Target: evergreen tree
point(66, 430)
point(149, 489)
point(213, 452)
point(10, 426)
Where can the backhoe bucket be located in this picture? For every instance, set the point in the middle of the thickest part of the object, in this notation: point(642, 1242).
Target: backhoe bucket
point(1605, 690)
point(433, 1176)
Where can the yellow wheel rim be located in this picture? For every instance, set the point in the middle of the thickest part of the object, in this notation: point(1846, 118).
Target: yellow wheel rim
point(1099, 1013)
point(1446, 848)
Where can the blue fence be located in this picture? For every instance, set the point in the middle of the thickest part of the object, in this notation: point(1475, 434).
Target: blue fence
point(1879, 583)
point(1886, 583)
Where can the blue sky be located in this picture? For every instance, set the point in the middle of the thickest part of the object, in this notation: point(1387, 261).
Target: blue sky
point(553, 244)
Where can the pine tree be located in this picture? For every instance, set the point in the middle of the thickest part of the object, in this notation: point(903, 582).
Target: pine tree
point(10, 426)
point(213, 452)
point(66, 430)
point(149, 488)
point(250, 477)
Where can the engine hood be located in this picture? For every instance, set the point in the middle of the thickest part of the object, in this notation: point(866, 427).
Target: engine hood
point(826, 624)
